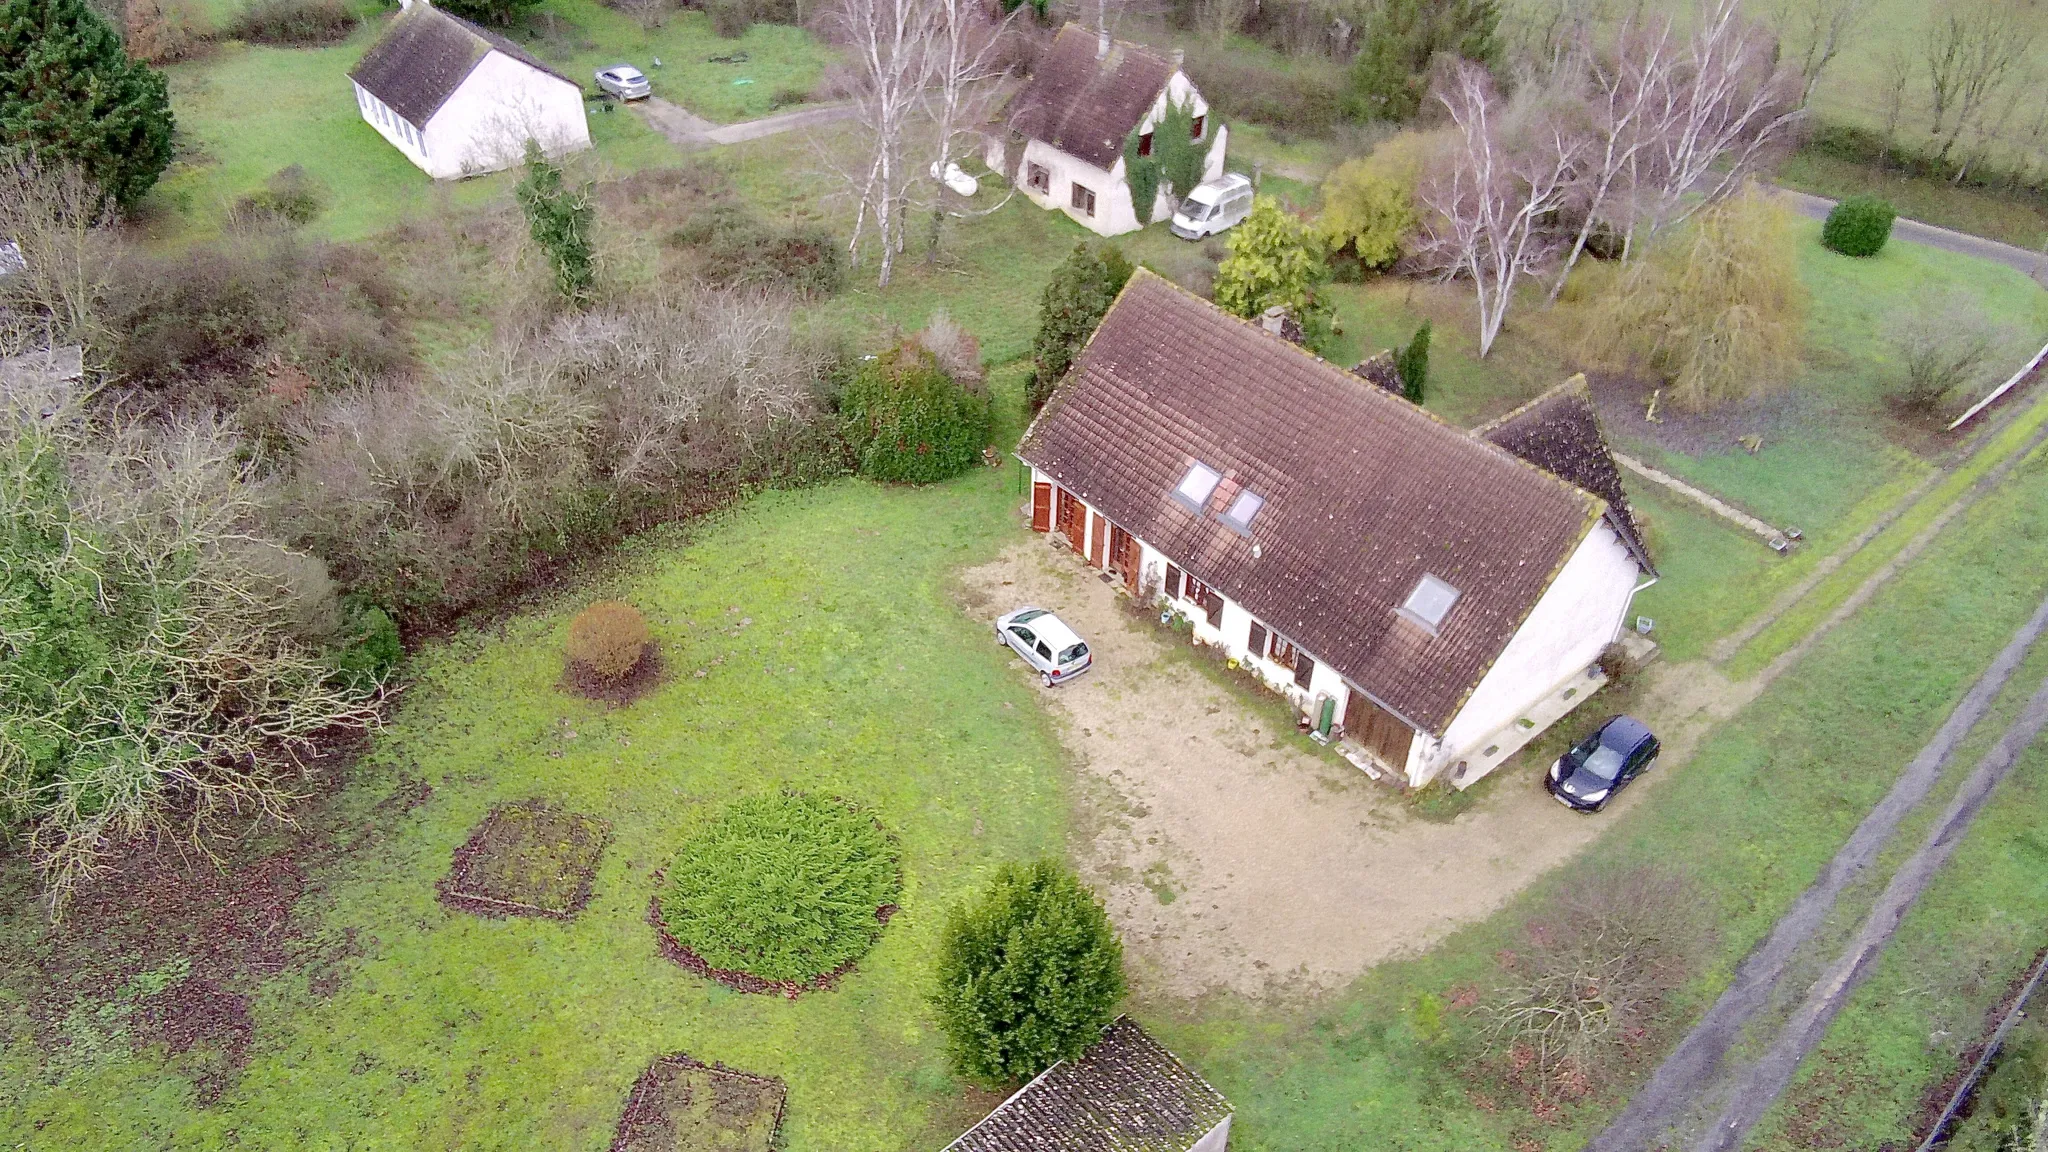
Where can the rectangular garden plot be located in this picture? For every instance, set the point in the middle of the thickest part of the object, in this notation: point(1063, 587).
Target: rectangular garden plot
point(526, 859)
point(685, 1105)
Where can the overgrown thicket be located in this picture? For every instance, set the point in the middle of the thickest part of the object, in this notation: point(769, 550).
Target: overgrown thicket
point(1717, 309)
point(1594, 982)
point(1944, 348)
point(209, 535)
point(1030, 972)
point(165, 655)
point(293, 23)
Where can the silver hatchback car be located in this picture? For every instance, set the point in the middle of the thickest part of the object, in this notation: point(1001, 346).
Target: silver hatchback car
point(624, 81)
point(1045, 642)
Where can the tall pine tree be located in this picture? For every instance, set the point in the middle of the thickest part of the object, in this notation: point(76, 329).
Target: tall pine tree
point(70, 94)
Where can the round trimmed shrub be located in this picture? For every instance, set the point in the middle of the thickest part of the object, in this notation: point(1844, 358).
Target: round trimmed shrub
point(1029, 973)
point(786, 888)
point(1858, 226)
point(908, 421)
point(608, 639)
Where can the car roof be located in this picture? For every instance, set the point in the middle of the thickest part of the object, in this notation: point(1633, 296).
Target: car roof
point(623, 70)
point(1053, 630)
point(1624, 733)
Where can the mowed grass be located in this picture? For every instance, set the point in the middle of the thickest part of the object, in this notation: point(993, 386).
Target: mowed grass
point(1752, 818)
point(1980, 212)
point(812, 643)
point(246, 111)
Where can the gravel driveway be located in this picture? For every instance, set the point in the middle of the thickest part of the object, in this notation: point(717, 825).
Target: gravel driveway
point(1238, 857)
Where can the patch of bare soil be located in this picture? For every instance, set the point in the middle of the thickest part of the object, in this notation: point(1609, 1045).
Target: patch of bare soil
point(687, 958)
point(526, 859)
point(644, 677)
point(216, 929)
point(1622, 401)
point(684, 1105)
point(1233, 855)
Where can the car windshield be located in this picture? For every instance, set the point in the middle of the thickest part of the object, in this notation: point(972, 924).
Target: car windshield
point(1604, 764)
point(1072, 653)
point(1022, 617)
point(1197, 210)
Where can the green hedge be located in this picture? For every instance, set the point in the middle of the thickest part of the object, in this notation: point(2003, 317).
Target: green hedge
point(908, 422)
point(1858, 226)
point(783, 887)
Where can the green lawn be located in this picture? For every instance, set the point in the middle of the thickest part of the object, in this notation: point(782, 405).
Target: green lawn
point(837, 662)
point(246, 111)
point(1973, 210)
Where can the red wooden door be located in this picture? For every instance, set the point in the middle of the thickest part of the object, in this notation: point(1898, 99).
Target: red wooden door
point(1097, 546)
point(1041, 507)
point(1123, 555)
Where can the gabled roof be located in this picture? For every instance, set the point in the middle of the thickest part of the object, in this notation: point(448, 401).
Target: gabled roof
point(1125, 1094)
point(425, 55)
point(1364, 494)
point(1559, 432)
point(1086, 107)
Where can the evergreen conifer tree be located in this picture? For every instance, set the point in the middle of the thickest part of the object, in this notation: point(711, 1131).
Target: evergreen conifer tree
point(70, 94)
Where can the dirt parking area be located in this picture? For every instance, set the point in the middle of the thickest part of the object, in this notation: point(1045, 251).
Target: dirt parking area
point(1234, 856)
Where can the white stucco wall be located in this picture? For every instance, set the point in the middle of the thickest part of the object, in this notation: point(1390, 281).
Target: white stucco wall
point(485, 125)
point(1581, 613)
point(1217, 1139)
point(1114, 213)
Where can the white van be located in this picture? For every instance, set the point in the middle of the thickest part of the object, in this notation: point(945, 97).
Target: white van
point(1212, 207)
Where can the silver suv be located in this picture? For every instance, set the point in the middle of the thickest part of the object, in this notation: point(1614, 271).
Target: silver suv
point(1052, 649)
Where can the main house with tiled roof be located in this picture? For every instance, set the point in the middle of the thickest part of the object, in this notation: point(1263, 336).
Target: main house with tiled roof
point(1127, 1093)
point(458, 100)
point(1088, 94)
point(1434, 597)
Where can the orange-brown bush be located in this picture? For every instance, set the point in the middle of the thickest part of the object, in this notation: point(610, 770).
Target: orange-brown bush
point(608, 639)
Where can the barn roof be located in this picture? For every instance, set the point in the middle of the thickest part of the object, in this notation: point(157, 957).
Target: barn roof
point(1559, 432)
point(1086, 106)
point(1125, 1094)
point(1364, 495)
point(425, 55)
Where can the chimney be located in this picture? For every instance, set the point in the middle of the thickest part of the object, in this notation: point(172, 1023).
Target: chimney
point(1101, 43)
point(1180, 57)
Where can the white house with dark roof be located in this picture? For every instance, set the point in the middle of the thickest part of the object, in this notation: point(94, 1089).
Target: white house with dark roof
point(1432, 597)
point(1127, 1093)
point(1086, 97)
point(458, 100)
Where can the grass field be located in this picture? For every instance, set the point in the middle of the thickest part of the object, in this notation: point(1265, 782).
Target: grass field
point(246, 111)
point(834, 661)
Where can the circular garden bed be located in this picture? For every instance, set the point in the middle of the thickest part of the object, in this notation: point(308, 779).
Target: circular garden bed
point(778, 893)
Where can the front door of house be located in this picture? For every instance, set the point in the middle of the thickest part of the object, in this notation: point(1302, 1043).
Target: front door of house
point(1123, 556)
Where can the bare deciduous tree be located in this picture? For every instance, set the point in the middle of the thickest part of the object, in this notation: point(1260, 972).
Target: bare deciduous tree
point(1943, 347)
point(1509, 171)
point(1627, 90)
point(59, 224)
point(1971, 54)
point(890, 45)
point(1811, 33)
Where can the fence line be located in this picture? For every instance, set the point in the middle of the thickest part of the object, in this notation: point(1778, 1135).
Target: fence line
point(1939, 1133)
point(1991, 397)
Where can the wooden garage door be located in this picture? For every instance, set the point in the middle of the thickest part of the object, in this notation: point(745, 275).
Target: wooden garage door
point(1378, 731)
point(1041, 507)
point(1097, 544)
point(1124, 554)
point(1070, 517)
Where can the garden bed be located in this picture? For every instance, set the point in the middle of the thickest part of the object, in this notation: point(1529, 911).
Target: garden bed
point(526, 859)
point(644, 677)
point(685, 1105)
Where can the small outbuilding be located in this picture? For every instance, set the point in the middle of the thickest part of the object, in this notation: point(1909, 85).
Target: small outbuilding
point(1125, 1094)
point(458, 100)
point(1090, 96)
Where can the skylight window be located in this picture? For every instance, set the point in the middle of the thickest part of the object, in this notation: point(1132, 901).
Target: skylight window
point(1242, 510)
point(1430, 602)
point(1197, 485)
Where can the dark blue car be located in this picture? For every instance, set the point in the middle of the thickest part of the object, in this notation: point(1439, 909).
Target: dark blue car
point(1589, 775)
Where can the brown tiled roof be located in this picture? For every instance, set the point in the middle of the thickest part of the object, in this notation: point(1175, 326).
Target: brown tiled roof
point(1365, 493)
point(1125, 1094)
point(1559, 432)
point(1086, 107)
point(425, 55)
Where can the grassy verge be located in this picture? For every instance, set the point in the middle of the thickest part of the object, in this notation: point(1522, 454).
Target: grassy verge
point(1978, 211)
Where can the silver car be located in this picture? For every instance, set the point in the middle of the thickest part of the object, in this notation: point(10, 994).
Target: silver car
point(624, 81)
point(1045, 642)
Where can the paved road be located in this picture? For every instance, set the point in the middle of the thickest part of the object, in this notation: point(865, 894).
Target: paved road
point(1677, 1094)
point(2032, 263)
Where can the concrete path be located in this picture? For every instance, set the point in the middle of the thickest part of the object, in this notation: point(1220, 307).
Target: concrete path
point(689, 130)
point(1677, 1094)
point(1707, 500)
point(2032, 263)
